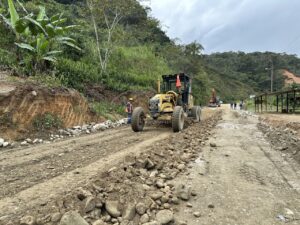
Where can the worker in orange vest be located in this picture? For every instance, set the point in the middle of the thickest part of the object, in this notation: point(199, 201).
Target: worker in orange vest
point(129, 110)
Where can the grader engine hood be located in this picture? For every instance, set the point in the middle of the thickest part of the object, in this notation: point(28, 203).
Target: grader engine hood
point(162, 103)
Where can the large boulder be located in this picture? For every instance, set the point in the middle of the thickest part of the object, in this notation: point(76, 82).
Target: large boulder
point(112, 208)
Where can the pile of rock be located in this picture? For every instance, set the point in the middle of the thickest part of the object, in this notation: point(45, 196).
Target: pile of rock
point(88, 128)
point(4, 143)
point(70, 132)
point(139, 191)
point(245, 114)
point(282, 138)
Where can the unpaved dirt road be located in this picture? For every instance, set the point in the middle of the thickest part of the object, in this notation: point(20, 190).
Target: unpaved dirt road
point(242, 180)
point(237, 177)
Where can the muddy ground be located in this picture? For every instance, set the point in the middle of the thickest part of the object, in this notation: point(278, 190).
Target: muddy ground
point(224, 170)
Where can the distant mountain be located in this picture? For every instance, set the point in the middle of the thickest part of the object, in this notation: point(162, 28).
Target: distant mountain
point(251, 70)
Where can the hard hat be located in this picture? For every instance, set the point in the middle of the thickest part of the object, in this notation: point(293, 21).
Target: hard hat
point(130, 99)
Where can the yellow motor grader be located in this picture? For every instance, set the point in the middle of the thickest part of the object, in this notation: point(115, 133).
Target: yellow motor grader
point(174, 102)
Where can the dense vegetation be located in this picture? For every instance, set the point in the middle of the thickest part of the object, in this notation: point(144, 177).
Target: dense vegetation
point(122, 47)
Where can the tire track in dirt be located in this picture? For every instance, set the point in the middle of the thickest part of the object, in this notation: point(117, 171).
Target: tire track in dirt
point(14, 156)
point(287, 172)
point(24, 170)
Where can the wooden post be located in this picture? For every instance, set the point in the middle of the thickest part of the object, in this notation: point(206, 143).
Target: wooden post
point(266, 99)
point(277, 102)
point(281, 103)
point(261, 104)
point(294, 106)
point(287, 102)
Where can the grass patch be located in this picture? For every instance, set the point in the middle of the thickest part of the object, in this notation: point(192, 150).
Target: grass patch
point(47, 121)
point(108, 109)
point(6, 120)
point(49, 81)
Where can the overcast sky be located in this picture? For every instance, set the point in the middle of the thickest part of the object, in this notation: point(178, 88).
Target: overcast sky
point(232, 25)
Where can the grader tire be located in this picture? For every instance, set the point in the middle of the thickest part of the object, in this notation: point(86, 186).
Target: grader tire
point(178, 119)
point(138, 119)
point(196, 113)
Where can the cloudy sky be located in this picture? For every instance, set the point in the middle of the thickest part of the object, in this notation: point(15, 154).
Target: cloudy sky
point(225, 25)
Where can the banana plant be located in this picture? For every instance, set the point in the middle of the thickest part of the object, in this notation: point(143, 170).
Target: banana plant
point(40, 51)
point(39, 35)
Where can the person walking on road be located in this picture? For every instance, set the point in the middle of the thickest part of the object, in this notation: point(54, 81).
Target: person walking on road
point(129, 110)
point(241, 105)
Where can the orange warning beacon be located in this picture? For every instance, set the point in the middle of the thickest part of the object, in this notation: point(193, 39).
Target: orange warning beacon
point(178, 83)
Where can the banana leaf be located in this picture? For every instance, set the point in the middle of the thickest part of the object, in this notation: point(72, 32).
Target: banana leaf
point(25, 46)
point(50, 58)
point(14, 16)
point(70, 44)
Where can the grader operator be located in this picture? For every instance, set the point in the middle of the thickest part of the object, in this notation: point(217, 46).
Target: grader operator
point(174, 102)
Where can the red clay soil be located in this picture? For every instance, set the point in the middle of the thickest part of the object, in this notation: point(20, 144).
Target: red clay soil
point(290, 77)
point(20, 107)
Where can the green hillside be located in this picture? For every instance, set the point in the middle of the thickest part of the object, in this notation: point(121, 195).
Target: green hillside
point(115, 43)
point(252, 69)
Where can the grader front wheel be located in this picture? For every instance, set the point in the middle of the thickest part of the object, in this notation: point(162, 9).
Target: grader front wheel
point(178, 119)
point(138, 119)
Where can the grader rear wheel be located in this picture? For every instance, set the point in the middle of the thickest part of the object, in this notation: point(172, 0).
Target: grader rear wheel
point(178, 119)
point(138, 119)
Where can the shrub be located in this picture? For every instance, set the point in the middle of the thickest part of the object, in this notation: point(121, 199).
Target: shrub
point(76, 74)
point(107, 109)
point(7, 59)
point(135, 68)
point(49, 81)
point(47, 121)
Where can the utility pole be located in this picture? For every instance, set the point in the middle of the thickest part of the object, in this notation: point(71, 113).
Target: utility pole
point(271, 68)
point(272, 75)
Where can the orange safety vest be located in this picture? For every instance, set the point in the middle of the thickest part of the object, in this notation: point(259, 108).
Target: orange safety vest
point(129, 107)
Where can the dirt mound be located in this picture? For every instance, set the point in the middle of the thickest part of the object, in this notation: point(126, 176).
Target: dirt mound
point(290, 78)
point(26, 107)
point(283, 137)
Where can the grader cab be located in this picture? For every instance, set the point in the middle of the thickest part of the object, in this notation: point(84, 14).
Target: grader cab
point(174, 102)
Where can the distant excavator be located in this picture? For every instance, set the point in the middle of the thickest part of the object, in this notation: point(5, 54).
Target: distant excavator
point(214, 100)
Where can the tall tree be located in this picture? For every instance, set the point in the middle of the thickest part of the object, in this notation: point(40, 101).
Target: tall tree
point(112, 18)
point(193, 49)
